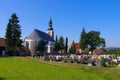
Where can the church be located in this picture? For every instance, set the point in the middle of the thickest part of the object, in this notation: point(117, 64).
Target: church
point(32, 40)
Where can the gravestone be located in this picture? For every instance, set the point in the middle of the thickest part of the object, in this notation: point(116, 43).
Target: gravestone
point(98, 63)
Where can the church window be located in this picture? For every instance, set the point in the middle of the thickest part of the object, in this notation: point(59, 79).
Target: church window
point(27, 44)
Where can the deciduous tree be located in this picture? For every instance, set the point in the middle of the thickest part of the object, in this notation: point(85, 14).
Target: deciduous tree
point(94, 40)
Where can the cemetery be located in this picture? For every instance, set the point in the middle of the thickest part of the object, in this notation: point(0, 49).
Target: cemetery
point(59, 40)
point(90, 60)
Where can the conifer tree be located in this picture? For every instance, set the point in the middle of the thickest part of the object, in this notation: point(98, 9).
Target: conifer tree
point(56, 45)
point(8, 40)
point(83, 40)
point(61, 43)
point(13, 34)
point(72, 48)
point(66, 45)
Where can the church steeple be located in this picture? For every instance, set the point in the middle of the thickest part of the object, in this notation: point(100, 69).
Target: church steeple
point(50, 29)
point(50, 24)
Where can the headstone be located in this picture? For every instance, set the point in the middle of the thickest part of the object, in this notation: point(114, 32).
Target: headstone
point(89, 64)
point(93, 63)
point(98, 63)
point(118, 62)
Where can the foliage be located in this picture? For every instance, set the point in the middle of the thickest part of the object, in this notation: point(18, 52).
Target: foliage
point(13, 34)
point(83, 40)
point(72, 48)
point(61, 43)
point(8, 40)
point(112, 63)
point(114, 51)
point(41, 46)
point(94, 40)
point(66, 45)
point(103, 62)
point(56, 45)
point(65, 60)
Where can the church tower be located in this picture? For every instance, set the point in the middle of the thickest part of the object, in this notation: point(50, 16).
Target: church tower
point(50, 29)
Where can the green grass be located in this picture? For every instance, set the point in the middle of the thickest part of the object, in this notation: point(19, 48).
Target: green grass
point(20, 68)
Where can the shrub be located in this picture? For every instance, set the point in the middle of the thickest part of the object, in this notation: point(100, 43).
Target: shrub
point(112, 63)
point(65, 60)
point(103, 62)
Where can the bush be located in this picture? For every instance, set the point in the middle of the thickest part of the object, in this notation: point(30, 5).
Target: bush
point(68, 59)
point(103, 62)
point(72, 61)
point(83, 61)
point(65, 60)
point(112, 63)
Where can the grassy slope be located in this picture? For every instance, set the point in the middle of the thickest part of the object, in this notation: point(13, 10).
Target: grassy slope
point(32, 69)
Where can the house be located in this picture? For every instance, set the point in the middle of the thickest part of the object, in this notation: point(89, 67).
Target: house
point(77, 48)
point(32, 40)
point(97, 51)
point(2, 46)
point(23, 50)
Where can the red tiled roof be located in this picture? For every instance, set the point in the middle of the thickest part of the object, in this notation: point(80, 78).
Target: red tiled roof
point(77, 45)
point(98, 50)
point(2, 42)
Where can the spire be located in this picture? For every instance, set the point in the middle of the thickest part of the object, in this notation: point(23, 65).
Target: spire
point(50, 24)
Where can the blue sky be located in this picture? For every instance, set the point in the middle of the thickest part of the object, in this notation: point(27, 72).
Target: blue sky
point(69, 17)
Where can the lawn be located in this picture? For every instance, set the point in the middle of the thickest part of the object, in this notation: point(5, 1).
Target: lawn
point(21, 68)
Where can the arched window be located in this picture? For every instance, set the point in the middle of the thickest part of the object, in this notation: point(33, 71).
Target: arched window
point(27, 44)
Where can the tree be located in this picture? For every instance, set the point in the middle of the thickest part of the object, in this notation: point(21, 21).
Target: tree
point(103, 62)
point(61, 43)
point(41, 46)
point(83, 40)
point(66, 45)
point(8, 39)
point(94, 40)
point(13, 34)
point(72, 48)
point(56, 45)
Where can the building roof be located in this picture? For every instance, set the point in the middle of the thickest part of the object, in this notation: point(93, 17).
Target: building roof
point(2, 42)
point(37, 34)
point(77, 45)
point(98, 50)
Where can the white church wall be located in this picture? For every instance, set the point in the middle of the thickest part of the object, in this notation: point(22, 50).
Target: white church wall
point(50, 47)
